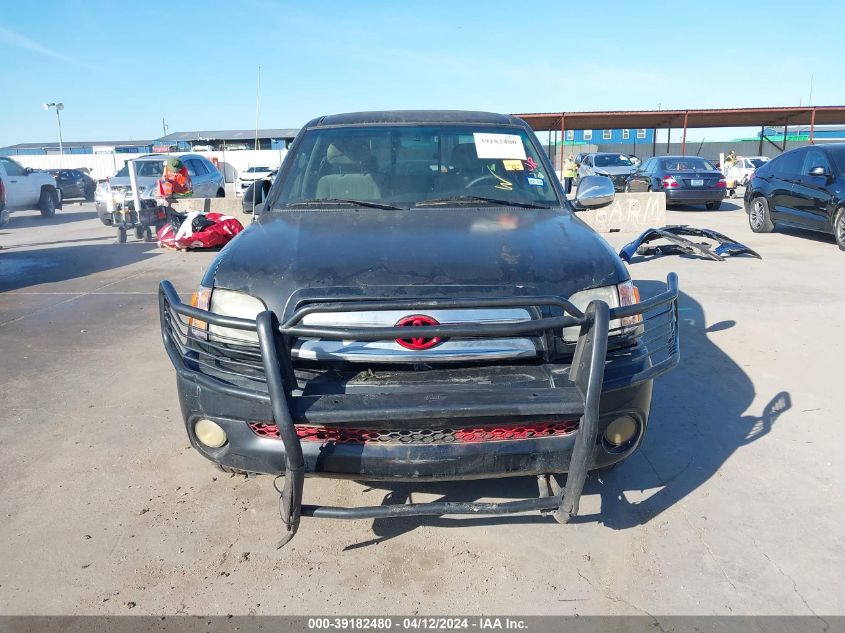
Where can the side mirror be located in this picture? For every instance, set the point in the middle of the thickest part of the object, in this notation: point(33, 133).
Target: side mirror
point(254, 196)
point(819, 171)
point(594, 192)
point(28, 170)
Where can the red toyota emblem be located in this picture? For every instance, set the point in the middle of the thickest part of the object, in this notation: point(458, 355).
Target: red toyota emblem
point(418, 343)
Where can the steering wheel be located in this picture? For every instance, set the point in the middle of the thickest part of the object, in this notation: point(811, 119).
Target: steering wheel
point(480, 179)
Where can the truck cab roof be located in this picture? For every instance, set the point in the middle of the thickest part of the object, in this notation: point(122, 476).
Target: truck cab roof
point(383, 117)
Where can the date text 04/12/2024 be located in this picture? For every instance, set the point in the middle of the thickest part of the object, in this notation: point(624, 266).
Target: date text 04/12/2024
point(415, 623)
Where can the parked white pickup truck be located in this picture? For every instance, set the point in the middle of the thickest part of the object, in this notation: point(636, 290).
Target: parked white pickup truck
point(24, 188)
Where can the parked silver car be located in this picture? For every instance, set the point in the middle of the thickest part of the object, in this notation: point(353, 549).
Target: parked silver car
point(206, 180)
point(617, 167)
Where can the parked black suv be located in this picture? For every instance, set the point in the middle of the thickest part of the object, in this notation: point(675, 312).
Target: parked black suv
point(418, 301)
point(74, 183)
point(803, 187)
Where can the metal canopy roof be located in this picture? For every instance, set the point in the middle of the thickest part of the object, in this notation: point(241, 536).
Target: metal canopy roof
point(83, 144)
point(228, 135)
point(697, 118)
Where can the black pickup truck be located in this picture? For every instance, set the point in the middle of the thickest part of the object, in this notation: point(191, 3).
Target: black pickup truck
point(417, 300)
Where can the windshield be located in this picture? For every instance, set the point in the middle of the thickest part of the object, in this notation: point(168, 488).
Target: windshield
point(150, 168)
point(689, 163)
point(402, 166)
point(612, 160)
point(253, 170)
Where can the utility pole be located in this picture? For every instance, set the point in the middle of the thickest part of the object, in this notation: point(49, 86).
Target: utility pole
point(163, 127)
point(257, 107)
point(59, 107)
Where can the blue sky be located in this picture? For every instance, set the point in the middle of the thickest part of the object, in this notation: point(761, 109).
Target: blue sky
point(119, 67)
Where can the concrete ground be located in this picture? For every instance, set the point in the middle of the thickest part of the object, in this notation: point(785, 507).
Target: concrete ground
point(732, 506)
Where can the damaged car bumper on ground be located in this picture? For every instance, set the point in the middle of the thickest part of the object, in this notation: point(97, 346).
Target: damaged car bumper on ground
point(680, 245)
point(249, 407)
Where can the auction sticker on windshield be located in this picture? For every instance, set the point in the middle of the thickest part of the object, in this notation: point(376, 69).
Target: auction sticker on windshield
point(498, 145)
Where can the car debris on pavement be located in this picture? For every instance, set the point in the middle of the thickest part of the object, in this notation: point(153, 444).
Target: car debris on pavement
point(679, 245)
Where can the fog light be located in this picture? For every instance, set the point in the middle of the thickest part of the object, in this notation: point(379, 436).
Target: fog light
point(210, 433)
point(620, 431)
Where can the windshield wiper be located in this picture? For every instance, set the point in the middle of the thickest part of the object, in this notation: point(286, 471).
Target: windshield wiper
point(471, 199)
point(359, 203)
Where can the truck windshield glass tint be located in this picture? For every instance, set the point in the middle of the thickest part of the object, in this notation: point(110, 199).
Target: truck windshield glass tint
point(404, 165)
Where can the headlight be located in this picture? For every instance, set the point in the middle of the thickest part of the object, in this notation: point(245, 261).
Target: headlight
point(234, 304)
point(623, 294)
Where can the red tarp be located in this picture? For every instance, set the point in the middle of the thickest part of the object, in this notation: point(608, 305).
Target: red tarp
point(225, 227)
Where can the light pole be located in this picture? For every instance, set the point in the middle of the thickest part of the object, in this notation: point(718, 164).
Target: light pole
point(59, 107)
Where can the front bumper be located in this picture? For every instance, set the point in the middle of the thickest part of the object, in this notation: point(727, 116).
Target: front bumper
point(619, 181)
point(529, 453)
point(240, 386)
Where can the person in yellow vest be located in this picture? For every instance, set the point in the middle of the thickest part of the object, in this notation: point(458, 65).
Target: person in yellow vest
point(569, 170)
point(730, 176)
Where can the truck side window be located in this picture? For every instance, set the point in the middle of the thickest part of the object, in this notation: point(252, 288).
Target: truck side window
point(12, 168)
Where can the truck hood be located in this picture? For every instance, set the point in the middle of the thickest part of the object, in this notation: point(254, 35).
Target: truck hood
point(290, 256)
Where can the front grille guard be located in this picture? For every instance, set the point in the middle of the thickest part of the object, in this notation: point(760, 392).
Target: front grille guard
point(265, 373)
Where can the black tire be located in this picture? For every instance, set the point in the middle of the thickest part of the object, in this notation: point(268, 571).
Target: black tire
point(139, 232)
point(714, 206)
point(148, 234)
point(121, 235)
point(221, 193)
point(106, 221)
point(48, 202)
point(839, 228)
point(758, 216)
